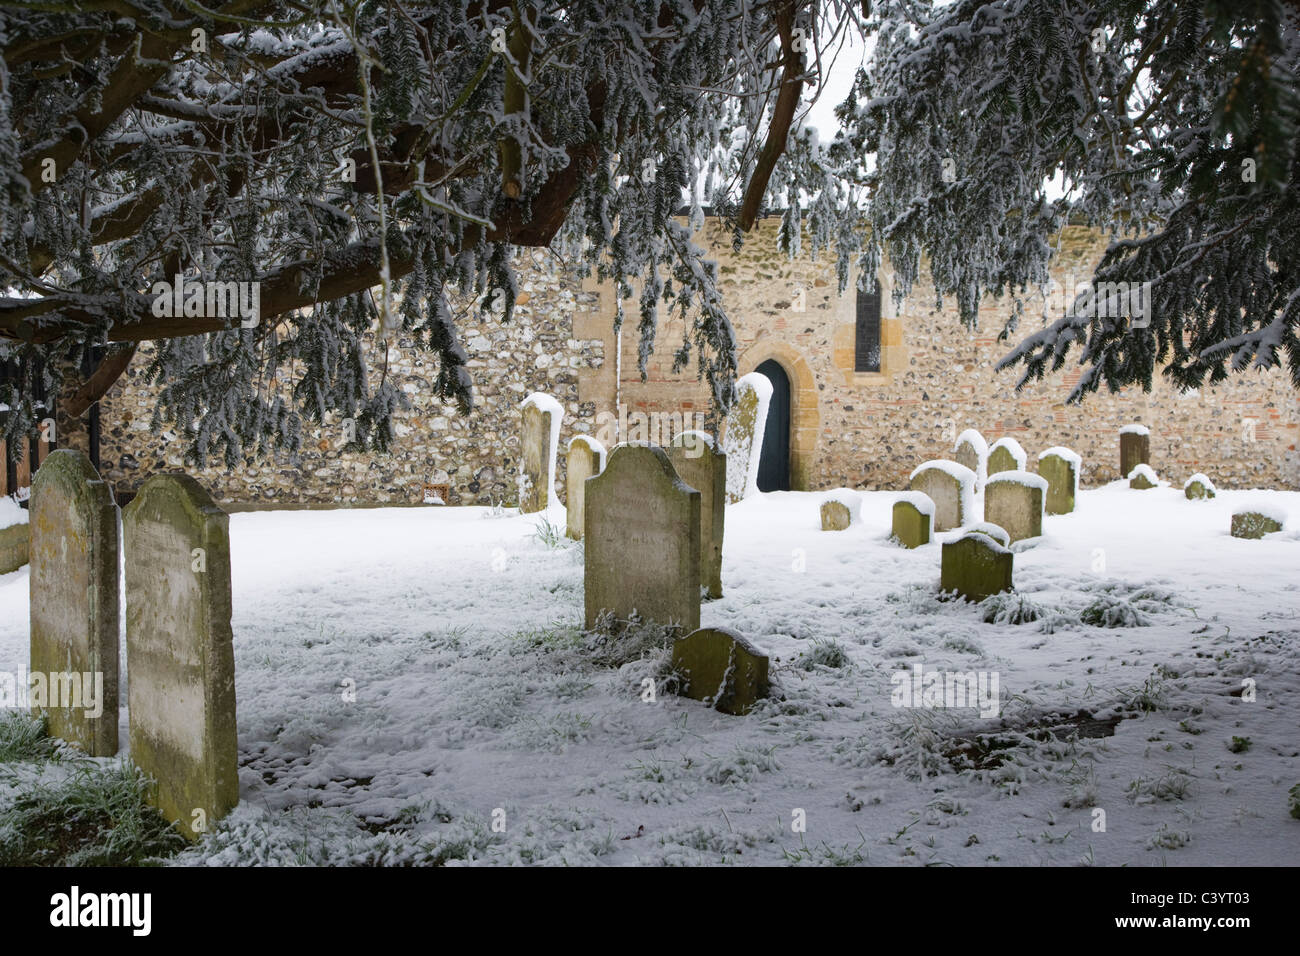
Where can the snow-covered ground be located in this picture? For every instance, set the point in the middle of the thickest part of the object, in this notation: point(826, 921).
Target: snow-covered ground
point(474, 693)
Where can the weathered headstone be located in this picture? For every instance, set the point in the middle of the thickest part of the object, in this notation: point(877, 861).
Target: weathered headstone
point(1134, 448)
point(1142, 477)
point(952, 489)
point(838, 508)
point(1006, 455)
point(179, 653)
point(705, 469)
point(994, 531)
point(642, 541)
point(538, 445)
point(972, 451)
point(586, 459)
point(742, 436)
point(15, 547)
point(74, 602)
point(1198, 486)
point(1060, 467)
point(975, 566)
point(912, 518)
point(721, 666)
point(1013, 500)
point(1257, 521)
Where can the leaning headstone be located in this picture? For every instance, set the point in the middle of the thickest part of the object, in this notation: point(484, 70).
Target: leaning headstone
point(1198, 486)
point(705, 469)
point(179, 654)
point(913, 517)
point(1014, 500)
point(742, 437)
point(1134, 448)
point(972, 451)
point(1142, 477)
point(586, 459)
point(1007, 455)
point(74, 603)
point(1060, 467)
point(952, 489)
point(838, 509)
point(975, 566)
point(719, 666)
point(538, 445)
point(642, 541)
point(1260, 519)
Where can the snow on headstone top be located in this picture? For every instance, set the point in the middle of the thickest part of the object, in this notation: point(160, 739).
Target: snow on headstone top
point(982, 536)
point(1019, 478)
point(743, 438)
point(1135, 429)
point(994, 531)
point(972, 437)
point(548, 404)
point(1200, 478)
point(1146, 471)
point(918, 500)
point(11, 513)
point(1060, 451)
point(845, 496)
point(977, 458)
point(1265, 508)
point(594, 444)
point(1014, 449)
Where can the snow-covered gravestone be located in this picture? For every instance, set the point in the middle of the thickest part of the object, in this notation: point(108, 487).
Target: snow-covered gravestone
point(538, 446)
point(642, 541)
point(586, 459)
point(1198, 486)
point(913, 516)
point(975, 567)
point(952, 489)
point(1259, 519)
point(1013, 500)
point(1006, 455)
point(838, 509)
point(15, 533)
point(74, 603)
point(704, 468)
point(972, 451)
point(179, 654)
point(1060, 467)
point(742, 437)
point(722, 667)
point(1142, 477)
point(1134, 448)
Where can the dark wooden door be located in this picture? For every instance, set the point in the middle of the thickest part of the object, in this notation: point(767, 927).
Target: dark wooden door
point(774, 462)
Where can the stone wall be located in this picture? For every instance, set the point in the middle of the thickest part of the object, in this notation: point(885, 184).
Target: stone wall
point(937, 379)
point(848, 428)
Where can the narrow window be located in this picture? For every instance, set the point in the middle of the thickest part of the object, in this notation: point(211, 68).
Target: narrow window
point(867, 341)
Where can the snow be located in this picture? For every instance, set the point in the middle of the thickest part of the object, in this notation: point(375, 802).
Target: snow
point(1135, 429)
point(736, 459)
point(1205, 482)
point(694, 437)
point(11, 513)
point(959, 471)
point(846, 496)
point(918, 500)
point(1027, 478)
point(547, 403)
point(595, 445)
point(1146, 471)
point(994, 531)
point(1264, 507)
point(1014, 447)
point(473, 694)
point(982, 535)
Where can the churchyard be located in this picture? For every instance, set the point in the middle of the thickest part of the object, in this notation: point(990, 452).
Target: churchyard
point(992, 666)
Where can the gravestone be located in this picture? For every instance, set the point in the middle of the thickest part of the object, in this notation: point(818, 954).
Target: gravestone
point(721, 666)
point(1006, 455)
point(1257, 522)
point(994, 531)
point(1198, 486)
point(742, 436)
point(642, 541)
point(1013, 500)
point(586, 459)
point(180, 659)
point(1060, 468)
point(838, 509)
point(972, 451)
point(913, 516)
point(15, 547)
point(952, 489)
point(1134, 448)
point(74, 602)
point(975, 566)
point(704, 468)
point(1142, 477)
point(538, 445)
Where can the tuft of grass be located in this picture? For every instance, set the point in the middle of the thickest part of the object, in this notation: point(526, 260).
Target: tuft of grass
point(25, 738)
point(1293, 801)
point(1009, 607)
point(550, 534)
point(828, 653)
point(1239, 745)
point(94, 816)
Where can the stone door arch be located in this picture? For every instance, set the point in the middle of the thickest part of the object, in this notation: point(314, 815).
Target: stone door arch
point(805, 419)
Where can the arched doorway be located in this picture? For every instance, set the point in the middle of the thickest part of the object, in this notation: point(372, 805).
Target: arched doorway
point(774, 460)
